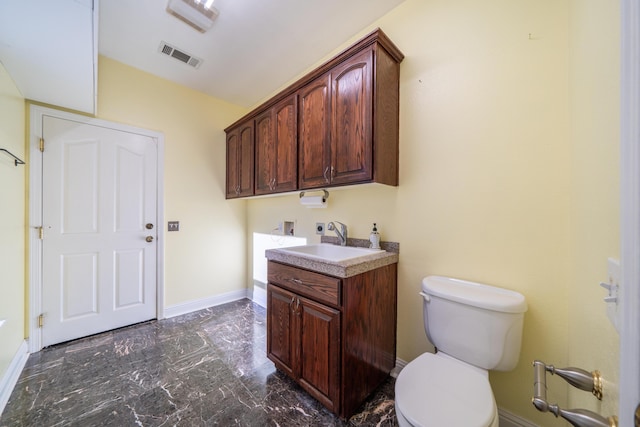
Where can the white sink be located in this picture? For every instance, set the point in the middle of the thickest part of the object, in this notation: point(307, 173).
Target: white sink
point(329, 252)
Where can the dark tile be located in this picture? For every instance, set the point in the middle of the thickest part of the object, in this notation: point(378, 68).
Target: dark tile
point(207, 368)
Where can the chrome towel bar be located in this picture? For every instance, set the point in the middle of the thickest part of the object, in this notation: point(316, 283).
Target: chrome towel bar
point(579, 378)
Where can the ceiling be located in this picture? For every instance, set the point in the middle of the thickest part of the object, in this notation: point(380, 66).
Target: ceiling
point(254, 47)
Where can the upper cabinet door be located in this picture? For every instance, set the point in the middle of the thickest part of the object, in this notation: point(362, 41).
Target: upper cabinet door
point(276, 148)
point(240, 167)
point(314, 152)
point(352, 118)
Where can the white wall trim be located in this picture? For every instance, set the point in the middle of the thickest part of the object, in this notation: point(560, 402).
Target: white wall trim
point(508, 419)
point(201, 304)
point(259, 296)
point(10, 377)
point(37, 113)
point(629, 387)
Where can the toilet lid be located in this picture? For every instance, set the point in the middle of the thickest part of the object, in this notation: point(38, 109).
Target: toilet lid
point(435, 391)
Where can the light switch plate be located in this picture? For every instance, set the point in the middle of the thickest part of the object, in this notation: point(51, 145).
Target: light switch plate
point(174, 226)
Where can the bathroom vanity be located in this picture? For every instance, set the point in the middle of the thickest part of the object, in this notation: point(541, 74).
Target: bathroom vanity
point(331, 323)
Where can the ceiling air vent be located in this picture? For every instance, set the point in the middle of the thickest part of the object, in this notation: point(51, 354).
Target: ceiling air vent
point(180, 55)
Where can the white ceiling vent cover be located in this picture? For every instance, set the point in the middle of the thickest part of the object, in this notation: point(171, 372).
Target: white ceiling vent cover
point(180, 55)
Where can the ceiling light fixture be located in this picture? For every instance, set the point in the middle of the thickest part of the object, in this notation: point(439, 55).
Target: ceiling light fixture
point(199, 14)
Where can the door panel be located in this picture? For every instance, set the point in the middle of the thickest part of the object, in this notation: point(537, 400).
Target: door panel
point(280, 328)
point(79, 290)
point(320, 352)
point(314, 134)
point(351, 138)
point(99, 190)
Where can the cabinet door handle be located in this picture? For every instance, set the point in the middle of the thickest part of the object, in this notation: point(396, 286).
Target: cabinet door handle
point(326, 170)
point(333, 173)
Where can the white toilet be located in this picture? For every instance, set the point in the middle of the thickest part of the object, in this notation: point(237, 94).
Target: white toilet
point(475, 328)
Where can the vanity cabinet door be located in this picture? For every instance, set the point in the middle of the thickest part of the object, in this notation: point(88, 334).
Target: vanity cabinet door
point(320, 352)
point(281, 329)
point(303, 340)
point(277, 148)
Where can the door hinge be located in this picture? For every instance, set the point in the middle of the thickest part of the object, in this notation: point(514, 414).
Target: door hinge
point(41, 321)
point(40, 233)
point(41, 146)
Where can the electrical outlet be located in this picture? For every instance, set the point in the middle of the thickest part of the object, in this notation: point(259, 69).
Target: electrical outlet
point(613, 286)
point(320, 228)
point(174, 226)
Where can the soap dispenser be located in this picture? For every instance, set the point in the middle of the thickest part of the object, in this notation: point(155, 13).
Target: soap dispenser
point(374, 238)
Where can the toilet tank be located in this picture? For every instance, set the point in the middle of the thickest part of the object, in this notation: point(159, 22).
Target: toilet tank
point(475, 323)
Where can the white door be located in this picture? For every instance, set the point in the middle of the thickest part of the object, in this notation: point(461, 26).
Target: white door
point(99, 209)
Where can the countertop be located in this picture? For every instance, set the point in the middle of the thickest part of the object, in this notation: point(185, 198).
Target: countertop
point(341, 269)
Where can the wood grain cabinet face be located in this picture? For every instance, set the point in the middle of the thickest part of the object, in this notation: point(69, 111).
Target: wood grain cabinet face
point(351, 120)
point(240, 162)
point(303, 340)
point(314, 158)
point(335, 337)
point(276, 148)
point(338, 125)
point(335, 125)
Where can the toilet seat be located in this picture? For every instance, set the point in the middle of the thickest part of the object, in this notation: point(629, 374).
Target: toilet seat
point(438, 391)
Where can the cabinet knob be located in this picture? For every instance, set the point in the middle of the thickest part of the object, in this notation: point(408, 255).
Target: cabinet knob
point(149, 239)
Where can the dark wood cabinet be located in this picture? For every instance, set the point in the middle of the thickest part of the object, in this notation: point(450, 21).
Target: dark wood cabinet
point(335, 337)
point(338, 125)
point(314, 158)
point(335, 122)
point(240, 166)
point(351, 120)
point(276, 146)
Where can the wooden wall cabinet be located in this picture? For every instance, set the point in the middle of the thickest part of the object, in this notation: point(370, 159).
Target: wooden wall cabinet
point(335, 337)
point(276, 146)
point(240, 161)
point(346, 127)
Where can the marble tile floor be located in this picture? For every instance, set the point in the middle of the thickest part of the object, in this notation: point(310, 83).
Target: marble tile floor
point(207, 368)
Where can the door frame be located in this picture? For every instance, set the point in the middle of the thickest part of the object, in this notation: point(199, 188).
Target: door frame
point(629, 386)
point(36, 115)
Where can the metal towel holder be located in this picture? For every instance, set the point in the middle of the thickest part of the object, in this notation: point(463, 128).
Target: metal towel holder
point(16, 161)
point(579, 378)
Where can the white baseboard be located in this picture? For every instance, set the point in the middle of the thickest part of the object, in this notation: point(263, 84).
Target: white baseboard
point(10, 378)
point(508, 419)
point(259, 296)
point(201, 304)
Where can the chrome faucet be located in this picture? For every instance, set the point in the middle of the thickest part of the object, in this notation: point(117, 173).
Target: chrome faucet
point(342, 234)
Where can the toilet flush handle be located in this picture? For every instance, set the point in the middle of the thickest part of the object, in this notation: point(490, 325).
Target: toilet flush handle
point(426, 297)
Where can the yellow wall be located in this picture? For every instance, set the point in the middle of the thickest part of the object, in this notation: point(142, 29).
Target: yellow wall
point(498, 136)
point(207, 256)
point(595, 212)
point(12, 220)
point(508, 176)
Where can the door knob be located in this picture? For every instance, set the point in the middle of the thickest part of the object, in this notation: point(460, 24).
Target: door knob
point(149, 239)
point(149, 226)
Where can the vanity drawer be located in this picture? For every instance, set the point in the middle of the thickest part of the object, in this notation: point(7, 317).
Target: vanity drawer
point(305, 283)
